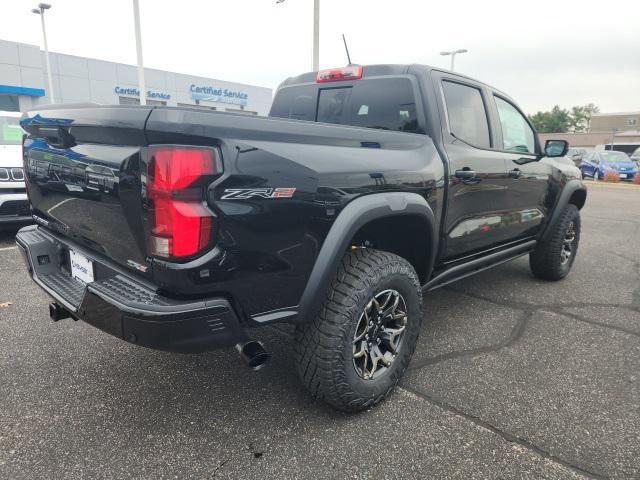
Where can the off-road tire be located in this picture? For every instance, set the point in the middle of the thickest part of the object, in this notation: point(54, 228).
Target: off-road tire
point(545, 260)
point(324, 344)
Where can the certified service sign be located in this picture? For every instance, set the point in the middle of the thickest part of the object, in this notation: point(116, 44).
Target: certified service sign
point(219, 95)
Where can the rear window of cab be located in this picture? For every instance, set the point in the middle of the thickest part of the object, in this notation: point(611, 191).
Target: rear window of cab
point(385, 103)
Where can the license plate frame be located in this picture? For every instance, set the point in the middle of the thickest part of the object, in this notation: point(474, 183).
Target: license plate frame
point(81, 267)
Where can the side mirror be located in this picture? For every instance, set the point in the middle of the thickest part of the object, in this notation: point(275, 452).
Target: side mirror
point(556, 148)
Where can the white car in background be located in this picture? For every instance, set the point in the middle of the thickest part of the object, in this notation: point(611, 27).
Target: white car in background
point(14, 205)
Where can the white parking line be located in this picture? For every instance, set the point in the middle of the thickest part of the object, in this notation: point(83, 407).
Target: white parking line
point(7, 248)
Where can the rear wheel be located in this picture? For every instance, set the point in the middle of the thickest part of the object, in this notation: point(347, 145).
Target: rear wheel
point(553, 259)
point(358, 346)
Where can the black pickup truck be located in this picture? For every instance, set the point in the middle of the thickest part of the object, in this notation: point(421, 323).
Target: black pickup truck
point(177, 228)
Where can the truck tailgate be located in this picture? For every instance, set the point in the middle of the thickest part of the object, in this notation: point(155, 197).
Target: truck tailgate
point(83, 177)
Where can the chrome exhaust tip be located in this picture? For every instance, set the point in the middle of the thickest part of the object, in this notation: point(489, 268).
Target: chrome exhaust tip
point(253, 353)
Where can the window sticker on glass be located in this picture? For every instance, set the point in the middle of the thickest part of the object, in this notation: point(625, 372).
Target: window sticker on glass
point(364, 110)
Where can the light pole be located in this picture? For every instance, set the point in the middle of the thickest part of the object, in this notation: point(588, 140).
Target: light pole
point(141, 85)
point(453, 54)
point(316, 33)
point(40, 11)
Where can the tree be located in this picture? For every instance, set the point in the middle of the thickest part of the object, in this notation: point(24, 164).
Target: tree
point(560, 120)
point(581, 117)
point(557, 120)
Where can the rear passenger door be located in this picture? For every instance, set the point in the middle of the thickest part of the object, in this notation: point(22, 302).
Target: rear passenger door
point(478, 179)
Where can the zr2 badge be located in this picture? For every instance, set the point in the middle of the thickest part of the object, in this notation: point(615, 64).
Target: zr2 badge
point(247, 193)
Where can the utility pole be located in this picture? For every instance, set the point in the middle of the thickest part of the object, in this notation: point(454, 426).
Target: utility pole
point(316, 34)
point(40, 11)
point(141, 85)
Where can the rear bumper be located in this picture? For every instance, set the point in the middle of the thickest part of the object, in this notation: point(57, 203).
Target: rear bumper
point(124, 306)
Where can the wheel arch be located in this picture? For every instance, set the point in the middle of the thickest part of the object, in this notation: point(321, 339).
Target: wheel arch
point(366, 218)
point(575, 193)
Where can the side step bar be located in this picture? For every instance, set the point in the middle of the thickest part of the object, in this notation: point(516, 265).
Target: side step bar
point(478, 265)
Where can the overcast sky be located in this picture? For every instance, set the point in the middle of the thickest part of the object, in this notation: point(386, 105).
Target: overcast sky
point(565, 52)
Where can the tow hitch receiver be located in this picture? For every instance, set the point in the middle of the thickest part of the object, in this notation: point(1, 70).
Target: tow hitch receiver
point(56, 312)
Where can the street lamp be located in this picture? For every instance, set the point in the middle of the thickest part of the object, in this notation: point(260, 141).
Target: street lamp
point(40, 11)
point(453, 54)
point(141, 85)
point(614, 130)
point(316, 33)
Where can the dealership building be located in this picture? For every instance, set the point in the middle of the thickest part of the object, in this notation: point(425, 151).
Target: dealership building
point(23, 84)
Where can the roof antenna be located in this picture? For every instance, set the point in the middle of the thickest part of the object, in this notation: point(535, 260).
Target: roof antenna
point(347, 49)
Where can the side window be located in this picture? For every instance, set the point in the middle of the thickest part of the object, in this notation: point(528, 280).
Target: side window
point(467, 114)
point(517, 135)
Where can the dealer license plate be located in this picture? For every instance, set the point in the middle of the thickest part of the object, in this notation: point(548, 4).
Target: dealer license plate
point(81, 267)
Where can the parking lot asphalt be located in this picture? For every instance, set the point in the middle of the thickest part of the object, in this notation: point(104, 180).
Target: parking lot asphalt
point(513, 378)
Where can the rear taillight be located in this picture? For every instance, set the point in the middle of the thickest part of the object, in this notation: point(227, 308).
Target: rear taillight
point(177, 176)
point(353, 72)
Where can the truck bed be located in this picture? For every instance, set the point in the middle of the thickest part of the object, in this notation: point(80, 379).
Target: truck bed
point(86, 176)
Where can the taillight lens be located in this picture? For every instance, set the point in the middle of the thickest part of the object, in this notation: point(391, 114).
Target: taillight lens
point(353, 72)
point(177, 176)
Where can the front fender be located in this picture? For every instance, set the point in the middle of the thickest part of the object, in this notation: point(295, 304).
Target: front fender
point(354, 216)
point(567, 193)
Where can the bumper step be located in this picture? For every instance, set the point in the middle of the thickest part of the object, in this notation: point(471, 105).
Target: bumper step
point(124, 306)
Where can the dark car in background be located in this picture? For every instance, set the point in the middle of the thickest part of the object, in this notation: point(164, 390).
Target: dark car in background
point(596, 164)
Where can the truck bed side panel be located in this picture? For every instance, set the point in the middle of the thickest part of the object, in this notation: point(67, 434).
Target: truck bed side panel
point(267, 246)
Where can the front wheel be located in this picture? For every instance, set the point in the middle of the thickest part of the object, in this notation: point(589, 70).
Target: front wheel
point(552, 259)
point(596, 175)
point(358, 346)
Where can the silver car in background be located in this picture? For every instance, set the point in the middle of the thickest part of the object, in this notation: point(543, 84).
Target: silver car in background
point(14, 205)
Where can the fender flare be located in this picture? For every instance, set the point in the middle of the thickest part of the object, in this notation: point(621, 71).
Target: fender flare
point(354, 216)
point(569, 189)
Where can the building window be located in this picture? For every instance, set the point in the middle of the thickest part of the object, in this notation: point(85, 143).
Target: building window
point(632, 122)
point(9, 103)
point(128, 101)
point(237, 110)
point(136, 101)
point(199, 107)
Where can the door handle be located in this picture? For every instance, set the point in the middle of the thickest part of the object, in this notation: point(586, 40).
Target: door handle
point(465, 174)
point(515, 173)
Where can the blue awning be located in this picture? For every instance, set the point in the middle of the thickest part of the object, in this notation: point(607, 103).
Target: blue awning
point(30, 92)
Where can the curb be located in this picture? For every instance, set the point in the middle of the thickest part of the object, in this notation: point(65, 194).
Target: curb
point(602, 184)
